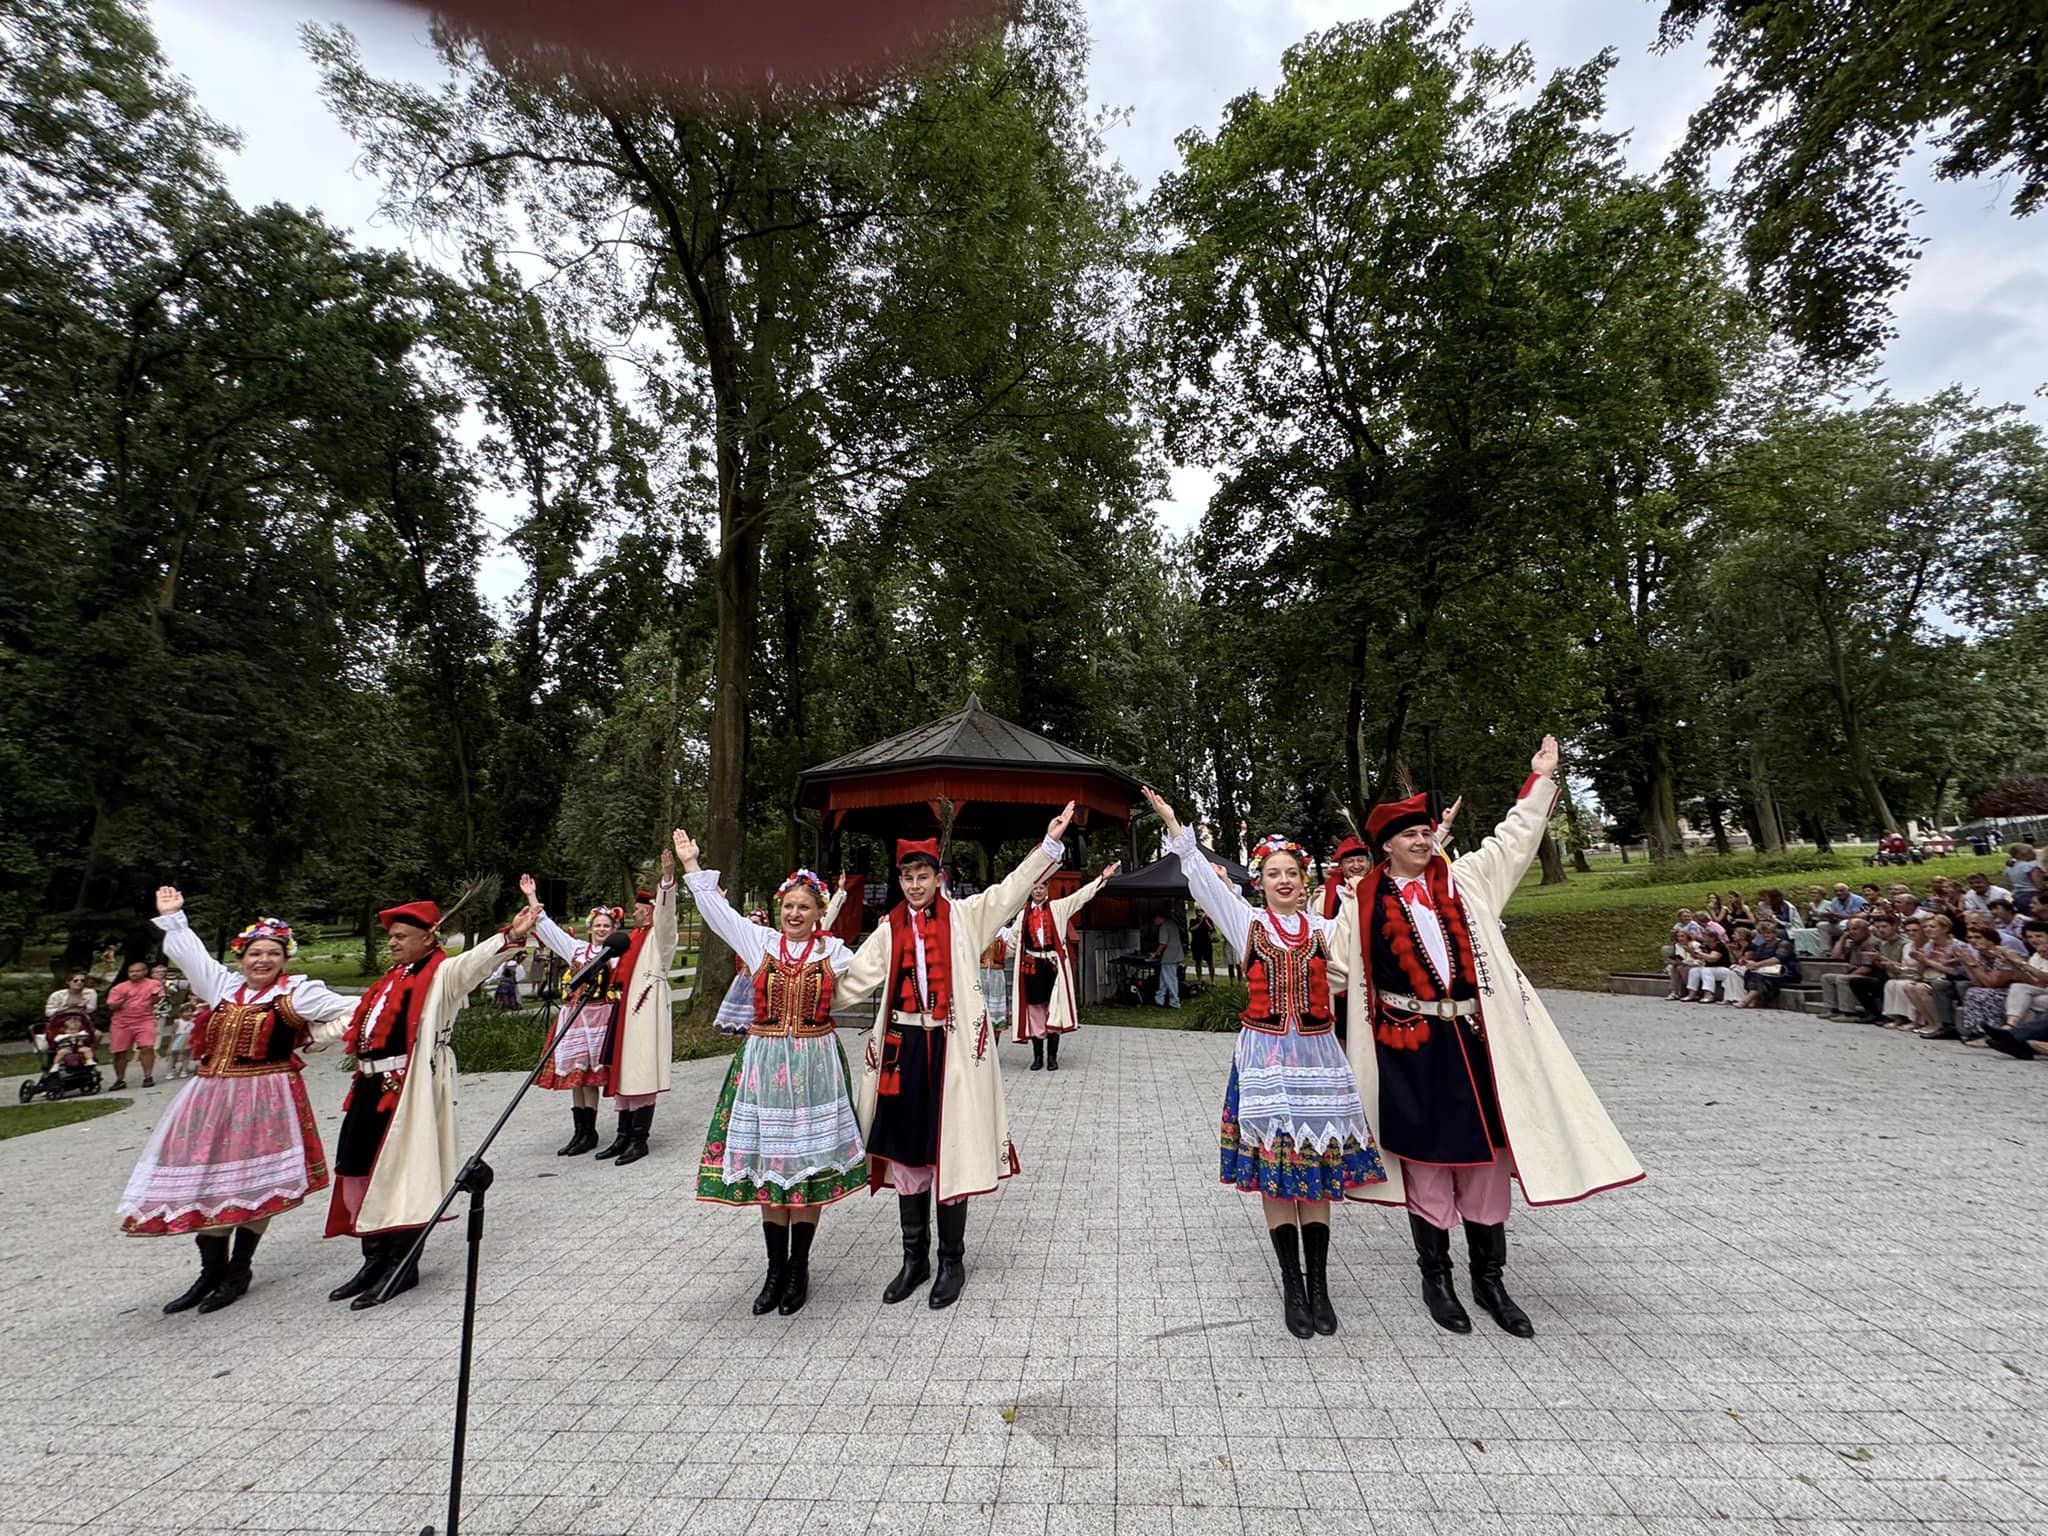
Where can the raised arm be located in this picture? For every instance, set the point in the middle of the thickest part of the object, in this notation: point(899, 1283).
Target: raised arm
point(211, 981)
point(664, 936)
point(1231, 913)
point(1491, 871)
point(552, 935)
point(835, 906)
point(747, 940)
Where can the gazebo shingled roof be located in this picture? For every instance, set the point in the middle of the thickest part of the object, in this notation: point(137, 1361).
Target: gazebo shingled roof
point(1003, 781)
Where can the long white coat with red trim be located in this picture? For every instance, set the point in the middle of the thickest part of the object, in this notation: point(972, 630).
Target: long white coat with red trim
point(974, 1126)
point(1564, 1145)
point(1063, 1011)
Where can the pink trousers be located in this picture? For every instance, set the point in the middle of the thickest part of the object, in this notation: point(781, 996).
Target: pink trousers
point(915, 1181)
point(1444, 1196)
point(1035, 1015)
point(630, 1101)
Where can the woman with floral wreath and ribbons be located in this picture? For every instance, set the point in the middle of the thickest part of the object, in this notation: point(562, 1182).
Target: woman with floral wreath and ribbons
point(238, 1144)
point(577, 1062)
point(1294, 1130)
point(784, 1136)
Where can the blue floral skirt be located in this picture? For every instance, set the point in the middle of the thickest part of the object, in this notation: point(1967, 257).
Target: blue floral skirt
point(1284, 1172)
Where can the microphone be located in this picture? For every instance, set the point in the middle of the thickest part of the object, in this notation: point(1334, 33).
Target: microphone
point(615, 944)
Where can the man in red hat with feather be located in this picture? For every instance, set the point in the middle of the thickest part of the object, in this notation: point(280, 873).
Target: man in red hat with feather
point(399, 1148)
point(1465, 1079)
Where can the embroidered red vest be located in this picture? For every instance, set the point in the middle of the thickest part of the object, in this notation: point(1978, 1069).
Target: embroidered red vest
point(793, 996)
point(937, 923)
point(1289, 983)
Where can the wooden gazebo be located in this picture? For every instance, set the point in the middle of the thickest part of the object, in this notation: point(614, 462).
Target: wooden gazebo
point(998, 782)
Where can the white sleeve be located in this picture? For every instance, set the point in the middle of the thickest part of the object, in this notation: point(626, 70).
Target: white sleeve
point(747, 940)
point(832, 909)
point(211, 981)
point(838, 958)
point(557, 938)
point(315, 1002)
point(1231, 913)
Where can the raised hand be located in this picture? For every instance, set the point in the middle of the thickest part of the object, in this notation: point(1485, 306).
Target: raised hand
point(846, 882)
point(521, 926)
point(687, 850)
point(169, 899)
point(1544, 763)
point(1162, 810)
point(1110, 873)
point(1443, 830)
point(1057, 827)
point(668, 867)
point(528, 889)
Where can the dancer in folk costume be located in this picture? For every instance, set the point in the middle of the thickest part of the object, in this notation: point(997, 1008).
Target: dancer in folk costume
point(1042, 970)
point(931, 1089)
point(1294, 1129)
point(1465, 1076)
point(644, 1032)
point(398, 1148)
point(584, 1028)
point(735, 1014)
point(1347, 865)
point(784, 1136)
point(238, 1144)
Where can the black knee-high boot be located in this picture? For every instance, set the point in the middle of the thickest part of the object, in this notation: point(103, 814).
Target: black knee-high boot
point(776, 1236)
point(1052, 1053)
point(915, 1213)
point(397, 1244)
point(1315, 1252)
point(374, 1262)
point(952, 1255)
point(1487, 1247)
point(798, 1290)
point(643, 1122)
point(624, 1139)
point(1038, 1055)
point(1293, 1292)
point(213, 1262)
point(234, 1284)
point(1433, 1257)
point(585, 1117)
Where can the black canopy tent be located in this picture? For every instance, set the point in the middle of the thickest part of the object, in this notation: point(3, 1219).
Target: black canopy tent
point(1163, 878)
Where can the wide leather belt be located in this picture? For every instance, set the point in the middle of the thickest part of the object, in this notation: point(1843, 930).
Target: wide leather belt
point(1438, 1008)
point(372, 1067)
point(918, 1021)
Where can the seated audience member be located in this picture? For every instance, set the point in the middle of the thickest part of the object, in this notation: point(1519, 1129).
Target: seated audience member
point(1717, 913)
point(2024, 1034)
point(1869, 982)
point(1873, 893)
point(1992, 970)
point(1772, 963)
point(2006, 919)
point(1940, 979)
point(1689, 922)
point(1835, 912)
point(1771, 903)
point(1982, 893)
point(1738, 911)
point(1905, 905)
point(1681, 956)
point(2032, 898)
point(2021, 860)
point(1816, 903)
point(1899, 1010)
point(1857, 948)
point(1714, 971)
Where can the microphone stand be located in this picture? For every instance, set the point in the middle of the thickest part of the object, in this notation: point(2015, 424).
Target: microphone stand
point(474, 1179)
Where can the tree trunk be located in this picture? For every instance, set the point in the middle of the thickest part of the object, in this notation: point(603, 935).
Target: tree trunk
point(1660, 815)
point(1852, 726)
point(1717, 824)
point(1552, 858)
point(1575, 828)
point(1770, 833)
point(1356, 789)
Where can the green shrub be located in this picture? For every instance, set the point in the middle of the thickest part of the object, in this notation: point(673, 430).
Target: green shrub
point(1217, 1010)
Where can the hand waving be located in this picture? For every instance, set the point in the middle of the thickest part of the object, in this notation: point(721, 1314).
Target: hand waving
point(528, 889)
point(1057, 827)
point(1544, 763)
point(1162, 810)
point(687, 850)
point(169, 899)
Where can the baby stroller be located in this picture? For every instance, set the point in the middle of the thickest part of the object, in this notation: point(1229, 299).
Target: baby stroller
point(72, 1068)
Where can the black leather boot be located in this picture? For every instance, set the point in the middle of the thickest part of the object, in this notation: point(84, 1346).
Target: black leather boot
point(798, 1290)
point(643, 1122)
point(396, 1246)
point(1038, 1055)
point(624, 1139)
point(915, 1213)
point(952, 1255)
point(374, 1262)
point(1052, 1053)
point(234, 1284)
point(1487, 1248)
point(1315, 1253)
point(585, 1116)
point(1433, 1257)
point(776, 1236)
point(213, 1262)
point(1293, 1293)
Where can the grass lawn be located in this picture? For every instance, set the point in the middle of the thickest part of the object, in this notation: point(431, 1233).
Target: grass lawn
point(27, 1119)
point(1614, 919)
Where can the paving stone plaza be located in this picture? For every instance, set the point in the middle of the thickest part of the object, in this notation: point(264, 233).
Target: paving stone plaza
point(1821, 1314)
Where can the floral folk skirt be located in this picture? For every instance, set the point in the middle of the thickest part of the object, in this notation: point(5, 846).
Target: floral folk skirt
point(1293, 1125)
point(578, 1059)
point(784, 1132)
point(228, 1150)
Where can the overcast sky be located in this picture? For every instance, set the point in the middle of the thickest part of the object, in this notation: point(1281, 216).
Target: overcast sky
point(1974, 314)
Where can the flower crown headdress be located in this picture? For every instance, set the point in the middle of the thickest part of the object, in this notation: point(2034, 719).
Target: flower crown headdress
point(616, 914)
point(275, 929)
point(1276, 842)
point(803, 879)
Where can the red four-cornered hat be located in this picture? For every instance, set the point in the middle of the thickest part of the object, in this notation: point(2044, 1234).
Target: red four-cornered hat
point(905, 849)
point(1345, 849)
point(422, 914)
point(1394, 816)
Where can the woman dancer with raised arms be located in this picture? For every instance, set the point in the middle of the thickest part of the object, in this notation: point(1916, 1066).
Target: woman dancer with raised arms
point(783, 1136)
point(577, 1062)
point(1294, 1130)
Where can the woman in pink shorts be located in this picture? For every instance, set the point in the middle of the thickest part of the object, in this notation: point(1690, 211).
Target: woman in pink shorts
point(133, 1005)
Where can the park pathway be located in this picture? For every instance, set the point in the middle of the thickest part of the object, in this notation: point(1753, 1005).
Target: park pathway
point(1821, 1315)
